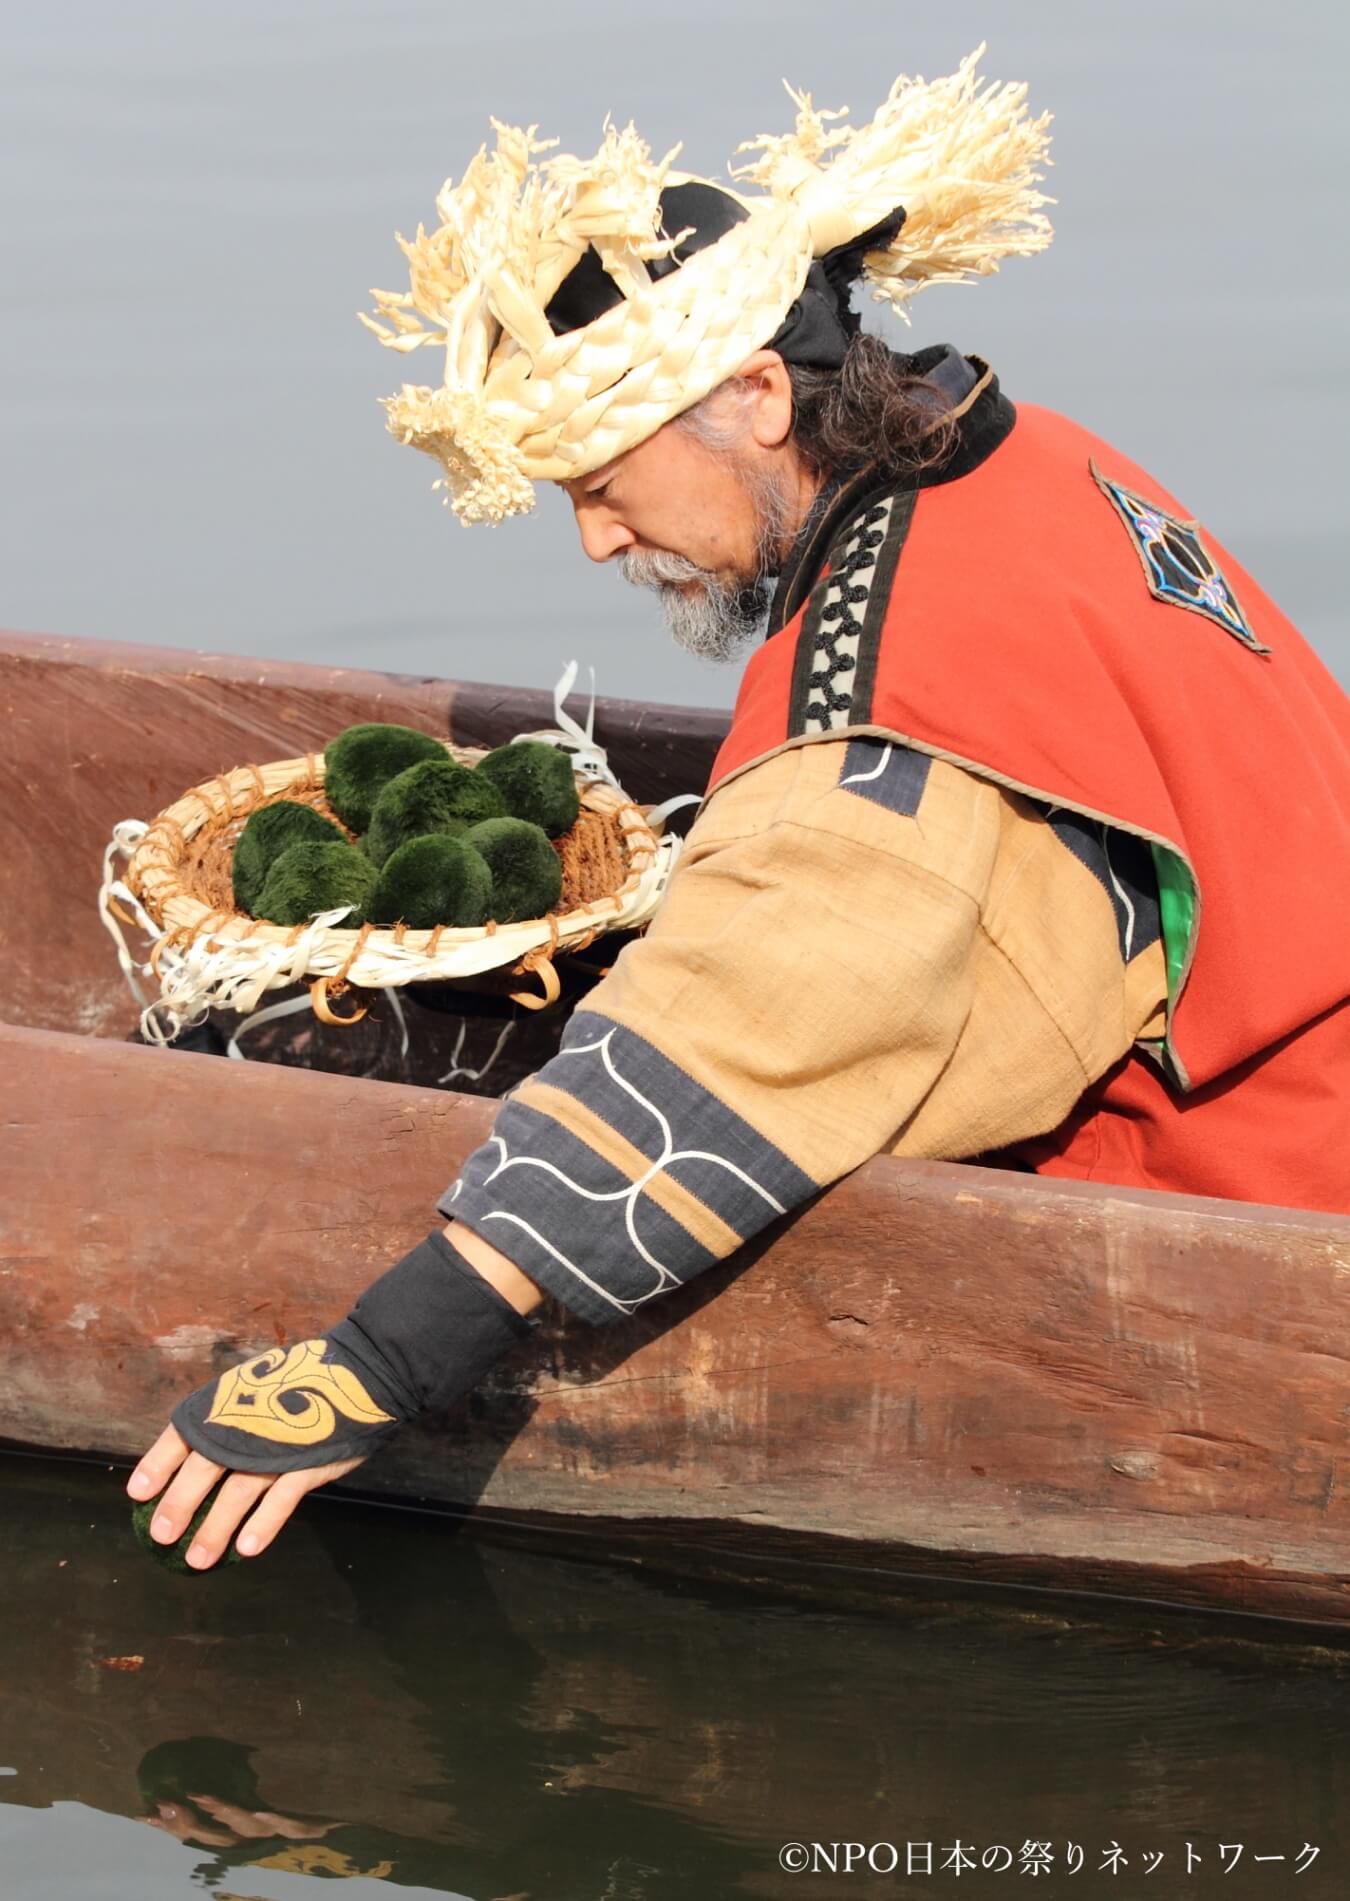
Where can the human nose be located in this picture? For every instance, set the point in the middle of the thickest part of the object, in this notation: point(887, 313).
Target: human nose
point(603, 535)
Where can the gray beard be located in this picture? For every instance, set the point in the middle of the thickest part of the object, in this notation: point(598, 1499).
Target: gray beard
point(714, 620)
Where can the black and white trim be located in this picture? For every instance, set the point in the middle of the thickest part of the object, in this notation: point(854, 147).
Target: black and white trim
point(1123, 866)
point(835, 665)
point(886, 773)
point(590, 1234)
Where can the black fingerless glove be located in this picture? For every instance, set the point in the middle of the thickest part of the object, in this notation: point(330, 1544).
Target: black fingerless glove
point(424, 1334)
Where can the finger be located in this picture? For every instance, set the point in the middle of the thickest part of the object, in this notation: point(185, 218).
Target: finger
point(292, 1831)
point(281, 1501)
point(185, 1826)
point(214, 1805)
point(209, 1837)
point(159, 1465)
point(194, 1480)
point(235, 1499)
point(246, 1824)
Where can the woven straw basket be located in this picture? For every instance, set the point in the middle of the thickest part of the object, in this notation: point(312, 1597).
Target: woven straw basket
point(177, 886)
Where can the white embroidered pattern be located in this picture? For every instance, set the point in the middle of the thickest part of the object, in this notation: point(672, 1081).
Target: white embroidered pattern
point(628, 1195)
point(1126, 901)
point(876, 772)
point(848, 588)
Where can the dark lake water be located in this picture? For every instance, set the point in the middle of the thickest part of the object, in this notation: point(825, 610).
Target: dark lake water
point(386, 1701)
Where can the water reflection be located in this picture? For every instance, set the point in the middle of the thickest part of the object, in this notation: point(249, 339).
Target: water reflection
point(383, 1700)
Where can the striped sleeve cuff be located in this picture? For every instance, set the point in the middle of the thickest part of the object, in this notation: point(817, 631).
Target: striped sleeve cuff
point(612, 1175)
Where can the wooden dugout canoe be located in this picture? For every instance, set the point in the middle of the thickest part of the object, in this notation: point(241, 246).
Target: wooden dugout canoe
point(933, 1371)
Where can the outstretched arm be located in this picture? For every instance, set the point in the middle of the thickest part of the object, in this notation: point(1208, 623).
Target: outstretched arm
point(862, 950)
point(256, 1505)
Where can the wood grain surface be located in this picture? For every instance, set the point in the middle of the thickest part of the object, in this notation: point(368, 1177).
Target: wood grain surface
point(931, 1369)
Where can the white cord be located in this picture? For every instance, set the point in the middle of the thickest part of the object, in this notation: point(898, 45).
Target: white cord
point(475, 1075)
point(291, 1006)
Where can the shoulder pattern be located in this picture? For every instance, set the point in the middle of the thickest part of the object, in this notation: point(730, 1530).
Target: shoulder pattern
point(1178, 568)
point(886, 773)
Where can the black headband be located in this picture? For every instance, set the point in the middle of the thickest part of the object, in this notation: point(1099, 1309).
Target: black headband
point(815, 333)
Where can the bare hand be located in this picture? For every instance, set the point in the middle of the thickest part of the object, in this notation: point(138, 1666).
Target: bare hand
point(236, 1824)
point(274, 1494)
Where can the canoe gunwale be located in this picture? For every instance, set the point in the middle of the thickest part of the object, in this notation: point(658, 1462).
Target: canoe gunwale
point(926, 1425)
point(1151, 1399)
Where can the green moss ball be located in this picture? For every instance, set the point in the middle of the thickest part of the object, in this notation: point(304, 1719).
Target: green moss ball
point(433, 880)
point(536, 782)
point(271, 830)
point(359, 763)
point(173, 1557)
point(437, 795)
point(307, 878)
point(526, 871)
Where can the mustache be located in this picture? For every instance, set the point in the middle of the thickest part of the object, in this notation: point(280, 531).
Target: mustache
point(645, 567)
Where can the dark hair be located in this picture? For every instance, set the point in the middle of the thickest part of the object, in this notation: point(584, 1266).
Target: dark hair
point(870, 411)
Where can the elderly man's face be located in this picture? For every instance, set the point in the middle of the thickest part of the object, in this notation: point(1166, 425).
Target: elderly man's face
point(704, 526)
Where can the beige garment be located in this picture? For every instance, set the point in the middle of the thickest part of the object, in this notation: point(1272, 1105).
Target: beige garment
point(851, 980)
point(829, 976)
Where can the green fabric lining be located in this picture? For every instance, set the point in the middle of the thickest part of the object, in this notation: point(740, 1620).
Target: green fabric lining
point(1177, 908)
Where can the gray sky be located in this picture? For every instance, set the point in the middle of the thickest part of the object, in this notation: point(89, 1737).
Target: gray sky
point(195, 198)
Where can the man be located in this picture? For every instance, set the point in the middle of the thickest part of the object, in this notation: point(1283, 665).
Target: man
point(1016, 725)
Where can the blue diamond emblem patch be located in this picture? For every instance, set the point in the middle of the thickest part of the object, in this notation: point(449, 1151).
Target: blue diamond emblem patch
point(1177, 566)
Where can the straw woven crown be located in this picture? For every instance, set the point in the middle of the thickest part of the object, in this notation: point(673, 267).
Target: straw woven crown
point(520, 404)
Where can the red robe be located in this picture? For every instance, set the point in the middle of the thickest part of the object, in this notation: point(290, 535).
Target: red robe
point(1051, 620)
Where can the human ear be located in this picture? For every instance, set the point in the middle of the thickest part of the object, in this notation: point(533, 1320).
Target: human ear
point(771, 404)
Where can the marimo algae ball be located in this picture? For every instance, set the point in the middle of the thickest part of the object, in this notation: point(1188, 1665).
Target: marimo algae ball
point(437, 795)
point(269, 832)
point(173, 1557)
point(433, 880)
point(536, 782)
point(360, 762)
point(526, 871)
point(307, 878)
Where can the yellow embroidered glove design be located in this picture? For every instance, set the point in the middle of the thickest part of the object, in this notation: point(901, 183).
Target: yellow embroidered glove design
point(293, 1397)
point(422, 1335)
